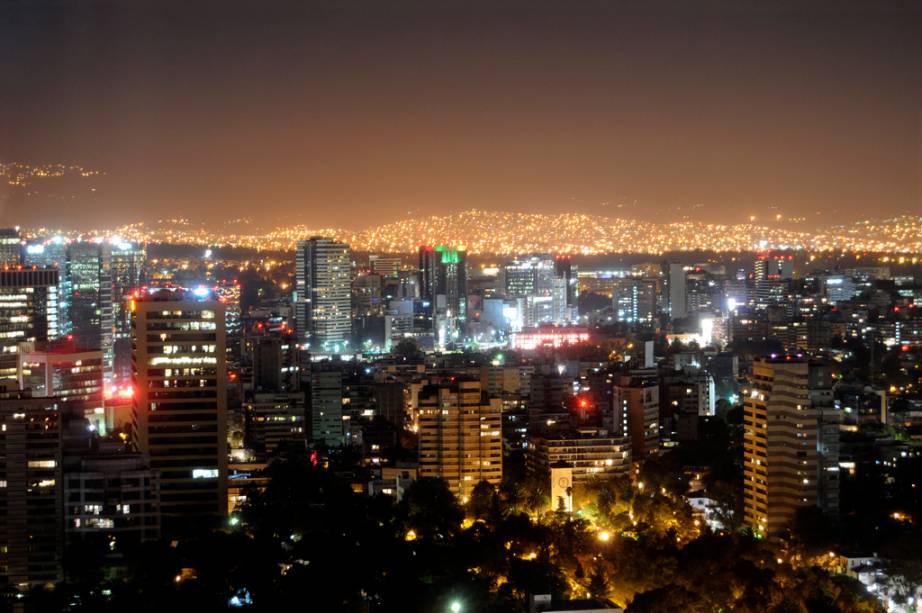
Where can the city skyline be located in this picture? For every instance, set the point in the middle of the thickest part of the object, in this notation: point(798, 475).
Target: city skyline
point(459, 306)
point(354, 115)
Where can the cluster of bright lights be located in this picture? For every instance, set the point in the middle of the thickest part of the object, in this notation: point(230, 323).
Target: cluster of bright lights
point(512, 233)
point(551, 338)
point(19, 174)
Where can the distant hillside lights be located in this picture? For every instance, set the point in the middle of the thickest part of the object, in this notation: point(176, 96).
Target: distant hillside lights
point(568, 233)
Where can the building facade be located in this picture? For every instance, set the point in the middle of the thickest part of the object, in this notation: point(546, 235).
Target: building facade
point(323, 300)
point(460, 436)
point(180, 401)
point(780, 460)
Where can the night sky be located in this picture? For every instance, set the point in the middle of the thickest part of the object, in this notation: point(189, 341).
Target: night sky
point(356, 113)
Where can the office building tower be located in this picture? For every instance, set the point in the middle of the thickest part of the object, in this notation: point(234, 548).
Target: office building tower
point(127, 266)
point(529, 276)
point(86, 296)
point(180, 402)
point(677, 298)
point(30, 497)
point(273, 419)
point(112, 495)
point(545, 406)
point(773, 266)
point(724, 368)
point(50, 253)
point(567, 271)
point(10, 247)
point(703, 291)
point(323, 295)
point(779, 444)
point(460, 436)
point(367, 300)
point(385, 265)
point(634, 300)
point(829, 420)
point(635, 401)
point(28, 312)
point(326, 398)
point(75, 377)
point(274, 358)
point(228, 294)
point(839, 288)
point(443, 280)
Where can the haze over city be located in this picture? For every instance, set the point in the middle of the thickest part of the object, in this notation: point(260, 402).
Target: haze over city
point(352, 114)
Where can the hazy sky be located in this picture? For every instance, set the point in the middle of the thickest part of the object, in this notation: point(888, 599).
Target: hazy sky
point(355, 113)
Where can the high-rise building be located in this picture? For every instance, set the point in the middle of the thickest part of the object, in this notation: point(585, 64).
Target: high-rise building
point(28, 312)
point(566, 271)
point(529, 276)
point(635, 401)
point(367, 300)
point(112, 494)
point(59, 370)
point(274, 358)
point(326, 396)
point(779, 444)
point(50, 253)
point(229, 295)
point(86, 294)
point(385, 265)
point(127, 266)
point(273, 419)
point(678, 307)
point(773, 266)
point(180, 401)
point(460, 437)
point(443, 281)
point(10, 247)
point(590, 453)
point(634, 300)
point(828, 432)
point(30, 497)
point(323, 294)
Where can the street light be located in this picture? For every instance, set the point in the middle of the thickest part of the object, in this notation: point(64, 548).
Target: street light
point(455, 606)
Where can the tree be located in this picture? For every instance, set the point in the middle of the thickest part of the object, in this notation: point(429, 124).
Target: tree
point(431, 510)
point(408, 351)
point(484, 501)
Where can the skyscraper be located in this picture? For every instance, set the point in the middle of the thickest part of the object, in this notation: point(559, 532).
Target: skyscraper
point(443, 272)
point(634, 300)
point(127, 264)
point(635, 402)
point(327, 407)
point(460, 436)
point(180, 401)
point(86, 290)
point(323, 294)
point(780, 462)
point(678, 307)
point(10, 247)
point(127, 273)
point(566, 271)
point(773, 266)
point(31, 532)
point(28, 312)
